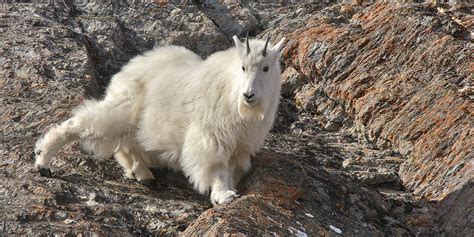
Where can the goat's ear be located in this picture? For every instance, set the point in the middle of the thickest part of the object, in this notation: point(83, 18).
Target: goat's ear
point(237, 42)
point(280, 45)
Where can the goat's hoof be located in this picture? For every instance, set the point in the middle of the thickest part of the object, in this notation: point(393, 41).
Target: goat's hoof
point(223, 197)
point(45, 172)
point(150, 183)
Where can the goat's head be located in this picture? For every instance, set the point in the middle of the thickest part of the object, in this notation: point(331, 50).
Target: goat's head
point(259, 76)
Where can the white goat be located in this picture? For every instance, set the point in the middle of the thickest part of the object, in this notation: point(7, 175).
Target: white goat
point(170, 108)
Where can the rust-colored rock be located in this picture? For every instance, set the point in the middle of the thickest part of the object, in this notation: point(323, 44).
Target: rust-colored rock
point(287, 196)
point(398, 71)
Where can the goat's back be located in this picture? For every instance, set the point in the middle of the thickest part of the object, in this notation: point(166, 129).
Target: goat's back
point(184, 89)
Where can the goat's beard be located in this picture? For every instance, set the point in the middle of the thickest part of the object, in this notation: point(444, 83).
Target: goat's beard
point(253, 113)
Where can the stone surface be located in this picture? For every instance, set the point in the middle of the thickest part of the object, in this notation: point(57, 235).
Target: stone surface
point(398, 74)
point(373, 135)
point(455, 213)
point(284, 196)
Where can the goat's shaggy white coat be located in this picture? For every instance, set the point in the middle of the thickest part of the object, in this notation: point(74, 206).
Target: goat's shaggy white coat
point(170, 108)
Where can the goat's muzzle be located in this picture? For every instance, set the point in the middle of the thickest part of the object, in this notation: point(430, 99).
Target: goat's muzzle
point(250, 98)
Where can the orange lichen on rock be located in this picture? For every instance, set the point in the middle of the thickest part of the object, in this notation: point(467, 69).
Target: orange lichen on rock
point(398, 77)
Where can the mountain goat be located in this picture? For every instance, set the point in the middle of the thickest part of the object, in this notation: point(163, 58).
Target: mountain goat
point(171, 108)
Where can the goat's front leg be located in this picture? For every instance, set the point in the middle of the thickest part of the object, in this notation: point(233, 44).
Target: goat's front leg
point(239, 165)
point(215, 176)
point(222, 191)
point(207, 166)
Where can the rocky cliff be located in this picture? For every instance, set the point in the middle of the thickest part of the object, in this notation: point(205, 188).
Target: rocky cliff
point(373, 136)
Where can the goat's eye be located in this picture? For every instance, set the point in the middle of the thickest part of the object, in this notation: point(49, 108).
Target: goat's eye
point(265, 69)
point(243, 68)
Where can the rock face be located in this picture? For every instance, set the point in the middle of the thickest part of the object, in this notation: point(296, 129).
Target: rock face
point(394, 89)
point(285, 195)
point(373, 136)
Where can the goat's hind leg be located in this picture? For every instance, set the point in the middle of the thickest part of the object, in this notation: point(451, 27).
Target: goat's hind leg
point(98, 124)
point(47, 146)
point(126, 163)
point(133, 161)
point(78, 126)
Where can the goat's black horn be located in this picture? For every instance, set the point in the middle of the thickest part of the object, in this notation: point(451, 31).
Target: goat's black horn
point(247, 42)
point(264, 52)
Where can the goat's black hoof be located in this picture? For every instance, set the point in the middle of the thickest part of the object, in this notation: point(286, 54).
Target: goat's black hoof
point(45, 172)
point(149, 183)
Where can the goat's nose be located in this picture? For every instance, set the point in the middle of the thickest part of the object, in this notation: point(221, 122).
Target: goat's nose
point(249, 95)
